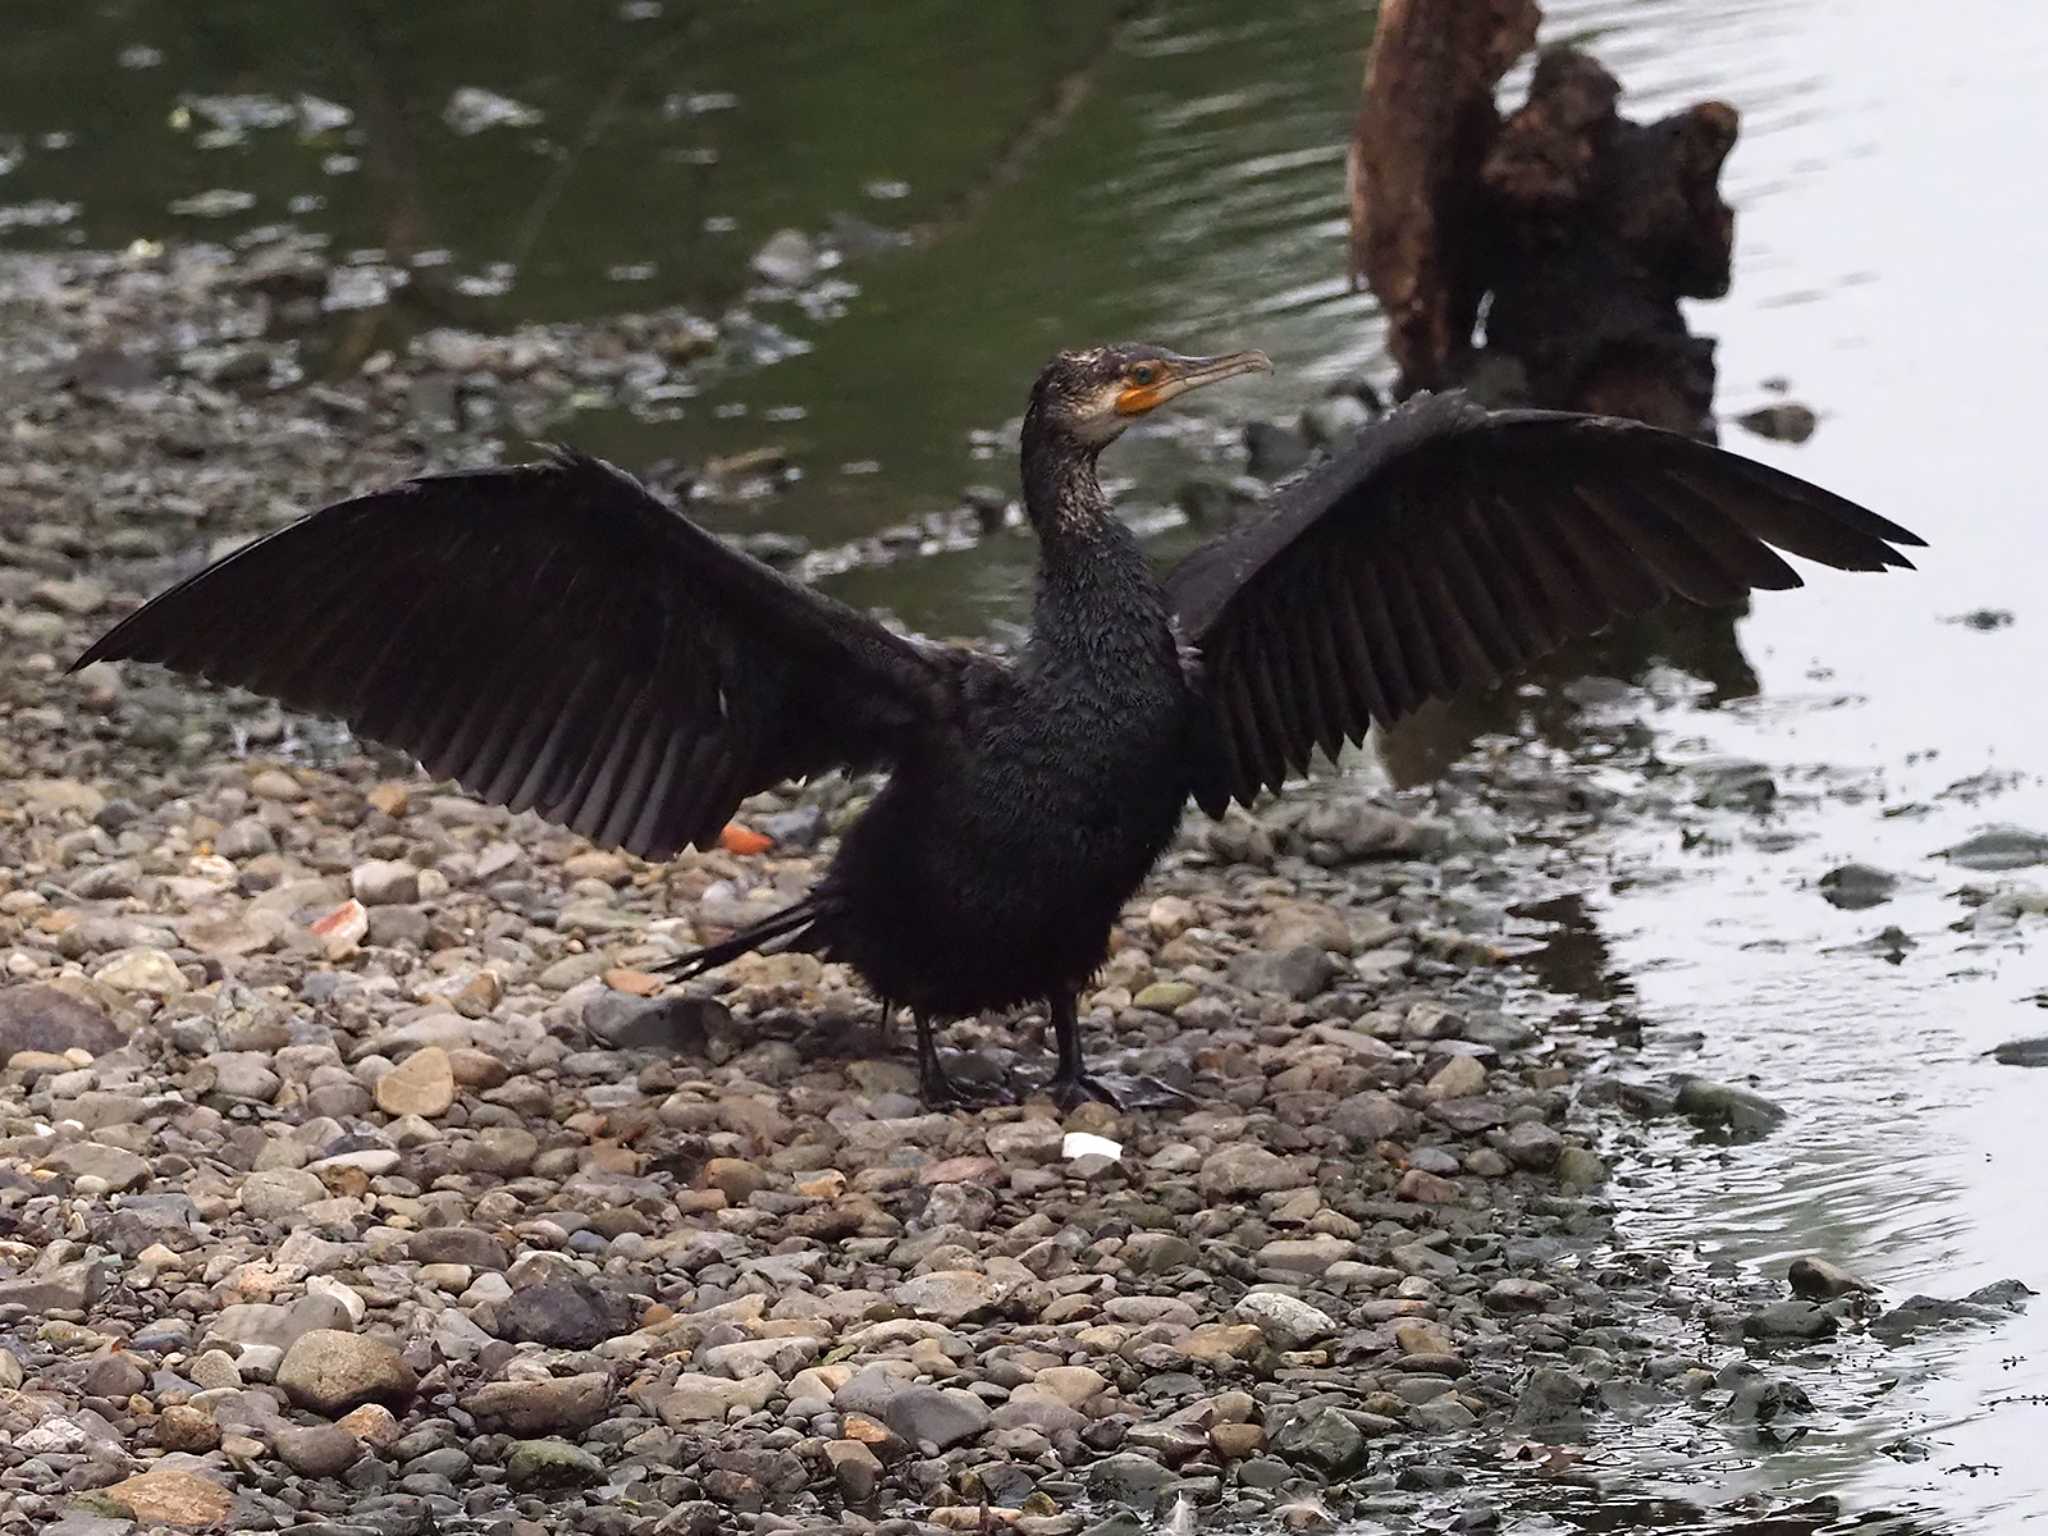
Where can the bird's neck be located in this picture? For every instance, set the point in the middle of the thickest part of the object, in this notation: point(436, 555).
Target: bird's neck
point(1097, 597)
point(1062, 495)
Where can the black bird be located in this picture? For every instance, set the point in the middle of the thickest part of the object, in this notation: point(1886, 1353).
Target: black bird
point(553, 637)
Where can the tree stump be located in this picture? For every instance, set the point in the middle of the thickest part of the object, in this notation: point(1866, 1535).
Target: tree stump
point(1425, 124)
point(1576, 231)
point(1583, 227)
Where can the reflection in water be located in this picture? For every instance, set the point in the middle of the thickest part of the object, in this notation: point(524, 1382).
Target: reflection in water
point(1574, 960)
point(1703, 640)
point(374, 48)
point(1674, 1517)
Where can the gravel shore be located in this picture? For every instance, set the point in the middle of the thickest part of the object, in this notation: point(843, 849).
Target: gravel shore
point(355, 1177)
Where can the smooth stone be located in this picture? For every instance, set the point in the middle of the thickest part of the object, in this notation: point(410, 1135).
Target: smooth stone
point(330, 1372)
point(1218, 1343)
point(1073, 1385)
point(1325, 1440)
point(423, 1084)
point(781, 1357)
point(1818, 1280)
point(458, 1245)
point(1306, 1255)
point(1999, 848)
point(182, 1427)
point(145, 970)
point(1790, 1320)
point(323, 1450)
point(1459, 1078)
point(541, 1464)
point(1992, 1303)
point(1033, 1141)
point(1130, 1479)
point(1857, 887)
point(532, 1408)
point(47, 1019)
point(1247, 1169)
point(115, 1168)
point(940, 1416)
point(698, 1399)
point(1550, 1399)
point(1531, 1145)
point(265, 1325)
point(277, 1194)
point(1725, 1105)
point(1235, 1442)
point(1286, 1321)
point(1299, 973)
point(949, 1296)
point(373, 1424)
point(114, 1376)
point(1580, 1168)
point(385, 883)
point(856, 1469)
point(173, 1496)
point(561, 1310)
point(2032, 1052)
point(1516, 1294)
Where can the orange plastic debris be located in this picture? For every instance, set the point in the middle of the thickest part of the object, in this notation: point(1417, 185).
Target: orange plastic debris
point(739, 838)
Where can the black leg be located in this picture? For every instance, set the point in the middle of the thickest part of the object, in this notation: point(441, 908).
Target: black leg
point(885, 1029)
point(934, 1086)
point(1066, 1029)
point(1074, 1084)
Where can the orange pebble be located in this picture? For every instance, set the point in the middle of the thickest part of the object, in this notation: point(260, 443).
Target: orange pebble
point(634, 983)
point(737, 838)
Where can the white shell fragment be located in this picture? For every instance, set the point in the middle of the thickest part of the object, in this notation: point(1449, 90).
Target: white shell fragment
point(1083, 1144)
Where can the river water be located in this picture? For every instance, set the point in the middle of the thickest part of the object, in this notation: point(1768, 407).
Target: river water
point(1174, 171)
point(1883, 266)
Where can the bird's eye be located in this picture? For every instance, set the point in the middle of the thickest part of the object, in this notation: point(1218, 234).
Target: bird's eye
point(1142, 374)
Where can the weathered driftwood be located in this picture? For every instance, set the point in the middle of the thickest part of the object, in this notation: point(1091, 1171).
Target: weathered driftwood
point(1576, 232)
point(1583, 227)
point(1425, 124)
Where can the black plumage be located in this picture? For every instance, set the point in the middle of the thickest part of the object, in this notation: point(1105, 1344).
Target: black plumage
point(553, 637)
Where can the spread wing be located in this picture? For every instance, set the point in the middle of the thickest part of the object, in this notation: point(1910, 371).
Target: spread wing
point(1449, 546)
point(553, 637)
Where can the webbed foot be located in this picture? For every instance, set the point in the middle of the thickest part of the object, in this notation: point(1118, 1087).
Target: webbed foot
point(1117, 1089)
point(941, 1090)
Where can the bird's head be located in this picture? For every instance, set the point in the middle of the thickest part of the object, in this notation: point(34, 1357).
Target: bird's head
point(1091, 397)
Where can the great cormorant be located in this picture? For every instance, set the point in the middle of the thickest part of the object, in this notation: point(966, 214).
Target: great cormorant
point(553, 637)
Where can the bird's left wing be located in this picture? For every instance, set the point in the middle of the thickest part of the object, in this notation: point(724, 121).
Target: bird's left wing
point(1450, 545)
point(553, 637)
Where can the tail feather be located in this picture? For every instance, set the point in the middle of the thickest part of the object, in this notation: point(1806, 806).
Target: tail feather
point(789, 923)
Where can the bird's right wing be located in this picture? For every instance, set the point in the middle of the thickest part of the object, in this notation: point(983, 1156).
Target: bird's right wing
point(552, 637)
point(1451, 545)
